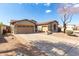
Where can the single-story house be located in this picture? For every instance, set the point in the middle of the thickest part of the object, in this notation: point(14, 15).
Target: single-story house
point(71, 27)
point(77, 27)
point(23, 26)
point(31, 26)
point(48, 26)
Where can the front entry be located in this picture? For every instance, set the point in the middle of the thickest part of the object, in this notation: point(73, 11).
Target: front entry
point(54, 28)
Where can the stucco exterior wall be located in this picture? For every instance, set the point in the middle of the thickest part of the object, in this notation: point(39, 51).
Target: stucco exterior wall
point(24, 23)
point(39, 28)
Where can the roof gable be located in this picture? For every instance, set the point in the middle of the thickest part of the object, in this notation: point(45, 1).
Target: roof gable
point(44, 23)
point(15, 21)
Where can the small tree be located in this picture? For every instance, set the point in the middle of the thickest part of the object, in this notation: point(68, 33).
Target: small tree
point(66, 16)
point(66, 13)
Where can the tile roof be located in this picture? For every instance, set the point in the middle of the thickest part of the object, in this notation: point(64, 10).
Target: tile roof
point(44, 23)
point(14, 21)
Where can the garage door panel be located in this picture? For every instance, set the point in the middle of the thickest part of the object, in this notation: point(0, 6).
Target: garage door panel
point(23, 30)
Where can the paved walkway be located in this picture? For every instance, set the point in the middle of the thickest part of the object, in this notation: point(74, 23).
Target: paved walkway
point(55, 44)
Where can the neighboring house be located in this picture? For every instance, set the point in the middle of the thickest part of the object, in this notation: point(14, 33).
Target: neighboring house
point(69, 27)
point(77, 27)
point(23, 26)
point(48, 26)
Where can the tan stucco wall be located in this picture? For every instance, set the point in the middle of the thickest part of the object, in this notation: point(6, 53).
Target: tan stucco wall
point(39, 28)
point(45, 28)
point(24, 23)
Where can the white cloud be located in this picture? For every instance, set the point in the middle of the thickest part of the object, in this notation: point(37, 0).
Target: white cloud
point(36, 3)
point(67, 5)
point(76, 5)
point(47, 4)
point(48, 11)
point(72, 5)
point(20, 3)
point(70, 8)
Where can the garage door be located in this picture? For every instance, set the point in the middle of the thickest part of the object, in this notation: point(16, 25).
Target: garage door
point(25, 29)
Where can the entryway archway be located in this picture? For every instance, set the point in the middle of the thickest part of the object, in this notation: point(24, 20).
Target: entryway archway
point(54, 27)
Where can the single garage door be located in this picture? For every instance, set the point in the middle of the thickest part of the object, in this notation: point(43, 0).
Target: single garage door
point(25, 29)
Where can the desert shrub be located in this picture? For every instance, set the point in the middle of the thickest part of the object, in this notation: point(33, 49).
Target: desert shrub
point(69, 32)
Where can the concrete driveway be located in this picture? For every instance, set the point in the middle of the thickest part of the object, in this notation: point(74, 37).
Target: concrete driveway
point(53, 45)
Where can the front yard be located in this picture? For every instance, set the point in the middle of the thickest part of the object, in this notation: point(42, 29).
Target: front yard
point(53, 45)
point(10, 46)
point(39, 44)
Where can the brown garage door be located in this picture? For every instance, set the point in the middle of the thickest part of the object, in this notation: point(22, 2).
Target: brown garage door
point(25, 29)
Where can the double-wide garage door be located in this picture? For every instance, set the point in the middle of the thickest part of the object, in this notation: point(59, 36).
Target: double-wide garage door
point(25, 29)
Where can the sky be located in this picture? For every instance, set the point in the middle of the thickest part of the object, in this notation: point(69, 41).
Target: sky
point(41, 12)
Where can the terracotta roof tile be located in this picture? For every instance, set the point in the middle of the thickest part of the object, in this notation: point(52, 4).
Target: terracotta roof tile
point(43, 23)
point(14, 21)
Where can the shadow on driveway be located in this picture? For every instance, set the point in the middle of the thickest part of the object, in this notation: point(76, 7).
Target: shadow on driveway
point(2, 39)
point(57, 49)
point(45, 48)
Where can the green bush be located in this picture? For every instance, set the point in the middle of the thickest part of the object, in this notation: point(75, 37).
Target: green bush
point(69, 32)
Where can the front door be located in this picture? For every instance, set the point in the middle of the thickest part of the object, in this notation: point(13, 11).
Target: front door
point(54, 28)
